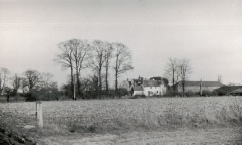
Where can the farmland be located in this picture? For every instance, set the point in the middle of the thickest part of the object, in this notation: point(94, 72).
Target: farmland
point(125, 115)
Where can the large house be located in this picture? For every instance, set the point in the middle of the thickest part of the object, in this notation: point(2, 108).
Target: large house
point(194, 86)
point(148, 87)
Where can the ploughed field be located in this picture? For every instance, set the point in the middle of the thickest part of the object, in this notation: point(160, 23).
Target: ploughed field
point(126, 115)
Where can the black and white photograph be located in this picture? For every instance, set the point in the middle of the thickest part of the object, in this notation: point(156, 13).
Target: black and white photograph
point(120, 72)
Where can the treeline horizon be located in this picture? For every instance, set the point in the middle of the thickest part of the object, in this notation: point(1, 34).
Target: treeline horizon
point(34, 84)
point(75, 55)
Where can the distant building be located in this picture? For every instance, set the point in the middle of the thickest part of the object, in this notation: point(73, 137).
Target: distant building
point(237, 92)
point(194, 86)
point(148, 87)
point(229, 90)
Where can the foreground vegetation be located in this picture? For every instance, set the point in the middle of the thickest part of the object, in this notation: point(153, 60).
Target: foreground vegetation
point(102, 116)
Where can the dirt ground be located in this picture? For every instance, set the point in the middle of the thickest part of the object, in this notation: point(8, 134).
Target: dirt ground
point(226, 135)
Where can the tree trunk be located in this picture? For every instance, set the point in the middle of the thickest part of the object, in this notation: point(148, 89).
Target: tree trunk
point(183, 86)
point(173, 80)
point(78, 84)
point(116, 75)
point(100, 82)
point(72, 83)
point(201, 91)
point(116, 81)
point(7, 97)
point(106, 77)
point(30, 86)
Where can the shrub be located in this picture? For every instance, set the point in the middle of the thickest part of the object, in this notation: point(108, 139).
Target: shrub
point(209, 93)
point(191, 94)
point(30, 97)
point(138, 96)
point(170, 93)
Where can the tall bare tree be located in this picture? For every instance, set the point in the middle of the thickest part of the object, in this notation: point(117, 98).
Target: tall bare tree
point(65, 58)
point(74, 55)
point(81, 49)
point(98, 59)
point(123, 61)
point(4, 73)
point(32, 78)
point(171, 71)
point(186, 70)
point(107, 56)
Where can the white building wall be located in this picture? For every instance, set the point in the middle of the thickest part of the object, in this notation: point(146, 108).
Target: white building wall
point(138, 93)
point(164, 89)
point(152, 91)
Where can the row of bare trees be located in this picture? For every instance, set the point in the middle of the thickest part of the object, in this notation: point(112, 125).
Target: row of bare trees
point(178, 70)
point(98, 56)
point(30, 81)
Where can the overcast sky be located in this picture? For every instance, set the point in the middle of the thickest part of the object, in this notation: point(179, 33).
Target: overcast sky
point(208, 32)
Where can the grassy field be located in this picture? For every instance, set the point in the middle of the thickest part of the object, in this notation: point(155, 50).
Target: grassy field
point(105, 116)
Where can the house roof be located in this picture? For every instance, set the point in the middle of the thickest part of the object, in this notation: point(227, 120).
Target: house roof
point(138, 88)
point(204, 84)
point(151, 83)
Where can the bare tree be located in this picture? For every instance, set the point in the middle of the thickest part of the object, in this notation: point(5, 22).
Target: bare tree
point(220, 78)
point(107, 56)
point(46, 79)
point(16, 84)
point(32, 78)
point(171, 71)
point(123, 60)
point(65, 58)
point(90, 85)
point(98, 59)
point(4, 73)
point(186, 70)
point(23, 84)
point(81, 50)
point(49, 87)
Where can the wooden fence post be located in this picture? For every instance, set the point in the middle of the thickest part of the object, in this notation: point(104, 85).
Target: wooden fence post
point(39, 116)
point(201, 88)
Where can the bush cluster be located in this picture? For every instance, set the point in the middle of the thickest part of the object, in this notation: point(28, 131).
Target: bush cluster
point(105, 94)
